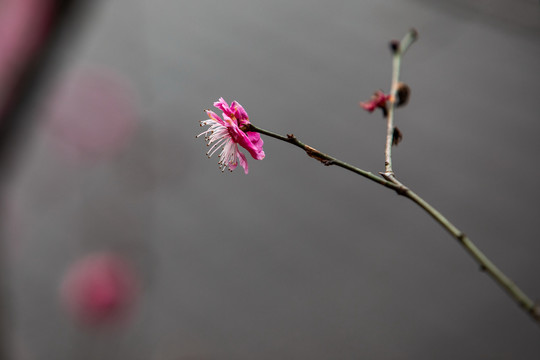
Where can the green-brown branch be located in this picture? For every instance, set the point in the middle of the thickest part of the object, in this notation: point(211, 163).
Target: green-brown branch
point(398, 50)
point(324, 158)
point(392, 183)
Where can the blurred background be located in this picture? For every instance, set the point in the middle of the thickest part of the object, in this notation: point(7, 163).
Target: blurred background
point(121, 240)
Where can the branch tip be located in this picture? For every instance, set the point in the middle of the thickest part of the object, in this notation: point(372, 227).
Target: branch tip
point(414, 34)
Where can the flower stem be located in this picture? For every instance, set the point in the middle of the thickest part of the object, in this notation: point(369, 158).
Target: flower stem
point(389, 181)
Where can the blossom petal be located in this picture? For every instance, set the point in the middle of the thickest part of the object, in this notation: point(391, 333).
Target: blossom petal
point(243, 162)
point(257, 142)
point(212, 115)
point(240, 114)
point(223, 106)
point(240, 137)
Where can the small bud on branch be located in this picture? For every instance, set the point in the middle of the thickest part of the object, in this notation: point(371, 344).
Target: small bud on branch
point(397, 136)
point(402, 95)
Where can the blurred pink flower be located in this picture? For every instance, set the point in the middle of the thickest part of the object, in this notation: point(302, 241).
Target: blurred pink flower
point(227, 134)
point(22, 27)
point(92, 114)
point(99, 289)
point(378, 100)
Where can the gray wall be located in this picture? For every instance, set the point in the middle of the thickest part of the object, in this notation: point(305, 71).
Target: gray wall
point(295, 260)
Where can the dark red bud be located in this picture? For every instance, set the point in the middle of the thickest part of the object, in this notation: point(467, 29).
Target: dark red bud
point(394, 46)
point(403, 94)
point(397, 136)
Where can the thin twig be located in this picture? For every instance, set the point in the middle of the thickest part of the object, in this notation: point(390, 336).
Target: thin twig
point(398, 49)
point(325, 158)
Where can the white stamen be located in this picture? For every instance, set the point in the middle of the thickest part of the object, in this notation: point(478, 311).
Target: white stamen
point(217, 137)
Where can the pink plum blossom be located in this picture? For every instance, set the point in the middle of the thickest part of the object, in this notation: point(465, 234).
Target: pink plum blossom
point(99, 289)
point(93, 113)
point(378, 100)
point(230, 132)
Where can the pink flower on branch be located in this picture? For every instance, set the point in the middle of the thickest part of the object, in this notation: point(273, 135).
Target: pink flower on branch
point(230, 132)
point(378, 100)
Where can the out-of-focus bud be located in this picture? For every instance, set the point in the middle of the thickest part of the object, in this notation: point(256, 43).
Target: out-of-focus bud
point(394, 46)
point(397, 136)
point(403, 94)
point(536, 311)
point(100, 289)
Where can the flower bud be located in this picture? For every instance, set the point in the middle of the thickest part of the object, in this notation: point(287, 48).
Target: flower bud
point(403, 94)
